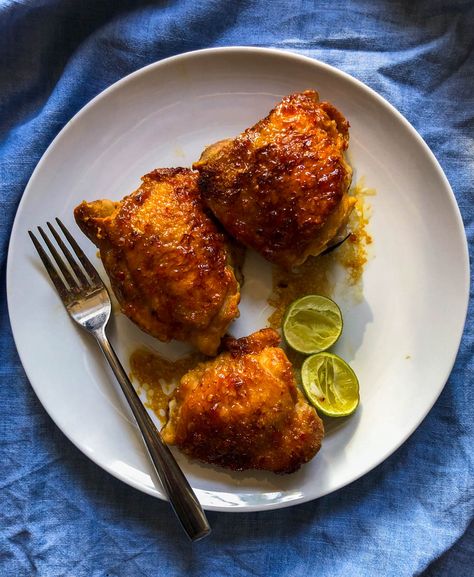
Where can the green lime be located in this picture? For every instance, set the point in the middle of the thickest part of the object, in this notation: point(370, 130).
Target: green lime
point(330, 384)
point(312, 324)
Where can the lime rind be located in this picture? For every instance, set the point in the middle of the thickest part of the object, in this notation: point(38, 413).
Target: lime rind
point(330, 384)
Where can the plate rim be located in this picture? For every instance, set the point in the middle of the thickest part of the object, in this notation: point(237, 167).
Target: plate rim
point(276, 52)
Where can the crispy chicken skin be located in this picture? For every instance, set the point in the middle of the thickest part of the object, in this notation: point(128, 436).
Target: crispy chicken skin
point(168, 264)
point(243, 410)
point(281, 186)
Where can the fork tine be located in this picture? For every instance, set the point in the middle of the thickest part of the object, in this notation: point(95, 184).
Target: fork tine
point(49, 266)
point(86, 263)
point(75, 267)
point(59, 261)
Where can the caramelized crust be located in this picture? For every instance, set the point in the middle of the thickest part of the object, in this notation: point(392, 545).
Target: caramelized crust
point(167, 262)
point(242, 410)
point(280, 187)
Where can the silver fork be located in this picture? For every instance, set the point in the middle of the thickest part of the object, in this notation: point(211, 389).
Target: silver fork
point(88, 303)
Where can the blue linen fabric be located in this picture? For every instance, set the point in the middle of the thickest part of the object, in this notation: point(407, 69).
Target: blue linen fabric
point(61, 515)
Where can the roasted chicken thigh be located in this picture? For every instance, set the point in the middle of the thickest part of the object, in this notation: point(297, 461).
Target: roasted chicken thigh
point(243, 410)
point(281, 186)
point(169, 266)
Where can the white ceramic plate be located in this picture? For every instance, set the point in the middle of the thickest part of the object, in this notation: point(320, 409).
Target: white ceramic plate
point(401, 338)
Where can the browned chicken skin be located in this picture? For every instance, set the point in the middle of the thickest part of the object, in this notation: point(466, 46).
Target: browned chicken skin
point(243, 410)
point(167, 262)
point(280, 187)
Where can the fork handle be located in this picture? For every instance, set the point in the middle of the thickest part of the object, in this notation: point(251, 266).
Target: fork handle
point(175, 484)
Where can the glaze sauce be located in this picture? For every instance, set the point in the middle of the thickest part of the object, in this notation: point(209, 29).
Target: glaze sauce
point(158, 377)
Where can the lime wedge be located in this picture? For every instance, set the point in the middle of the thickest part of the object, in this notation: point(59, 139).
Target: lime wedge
point(330, 384)
point(312, 324)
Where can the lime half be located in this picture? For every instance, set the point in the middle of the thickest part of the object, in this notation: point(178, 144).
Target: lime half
point(312, 324)
point(330, 384)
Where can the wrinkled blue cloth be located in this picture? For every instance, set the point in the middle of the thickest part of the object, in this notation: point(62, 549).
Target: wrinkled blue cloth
point(60, 515)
